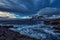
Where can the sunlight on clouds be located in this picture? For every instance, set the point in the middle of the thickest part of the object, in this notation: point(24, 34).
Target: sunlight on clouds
point(12, 15)
point(22, 17)
point(7, 14)
point(25, 17)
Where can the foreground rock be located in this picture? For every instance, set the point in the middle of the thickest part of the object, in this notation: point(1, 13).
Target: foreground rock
point(6, 34)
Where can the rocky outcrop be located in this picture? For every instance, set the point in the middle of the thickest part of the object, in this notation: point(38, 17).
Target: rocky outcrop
point(6, 34)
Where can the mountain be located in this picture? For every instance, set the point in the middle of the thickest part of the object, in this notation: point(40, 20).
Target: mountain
point(31, 27)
